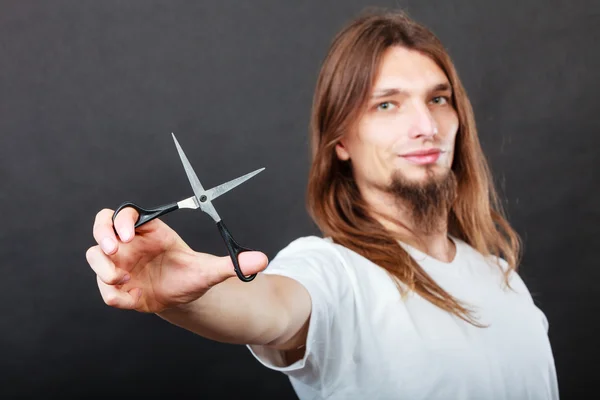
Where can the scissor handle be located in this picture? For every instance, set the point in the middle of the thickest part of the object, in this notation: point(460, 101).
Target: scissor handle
point(234, 250)
point(146, 215)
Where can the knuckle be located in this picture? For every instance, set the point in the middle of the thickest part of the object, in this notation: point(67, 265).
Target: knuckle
point(110, 299)
point(112, 279)
point(108, 276)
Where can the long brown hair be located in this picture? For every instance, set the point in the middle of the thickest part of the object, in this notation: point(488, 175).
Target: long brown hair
point(333, 199)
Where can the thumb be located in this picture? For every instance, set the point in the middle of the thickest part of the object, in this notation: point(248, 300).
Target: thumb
point(251, 262)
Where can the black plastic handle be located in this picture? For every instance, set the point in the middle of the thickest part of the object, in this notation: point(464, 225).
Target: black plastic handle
point(234, 250)
point(145, 214)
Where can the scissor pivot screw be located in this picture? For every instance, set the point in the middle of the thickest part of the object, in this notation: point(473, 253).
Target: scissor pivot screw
point(203, 198)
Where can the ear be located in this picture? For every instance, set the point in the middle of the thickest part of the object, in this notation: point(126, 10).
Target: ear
point(341, 151)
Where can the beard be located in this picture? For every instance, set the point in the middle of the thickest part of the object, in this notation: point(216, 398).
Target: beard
point(428, 202)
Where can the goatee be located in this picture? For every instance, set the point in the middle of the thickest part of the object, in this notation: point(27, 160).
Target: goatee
point(428, 202)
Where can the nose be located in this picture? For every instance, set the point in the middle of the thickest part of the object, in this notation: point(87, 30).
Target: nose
point(423, 123)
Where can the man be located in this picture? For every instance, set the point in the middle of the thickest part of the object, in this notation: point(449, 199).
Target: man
point(412, 293)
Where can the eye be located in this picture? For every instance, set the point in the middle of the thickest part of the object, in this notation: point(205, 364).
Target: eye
point(440, 100)
point(386, 105)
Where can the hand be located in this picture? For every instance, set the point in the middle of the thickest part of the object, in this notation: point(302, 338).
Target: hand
point(151, 269)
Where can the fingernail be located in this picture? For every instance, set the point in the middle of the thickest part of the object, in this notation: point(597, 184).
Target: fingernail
point(125, 234)
point(125, 279)
point(108, 245)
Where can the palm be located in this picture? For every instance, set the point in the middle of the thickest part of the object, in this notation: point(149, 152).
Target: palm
point(155, 260)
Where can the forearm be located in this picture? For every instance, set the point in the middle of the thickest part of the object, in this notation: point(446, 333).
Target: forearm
point(270, 310)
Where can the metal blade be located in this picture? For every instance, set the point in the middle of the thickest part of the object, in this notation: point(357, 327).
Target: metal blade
point(227, 186)
point(192, 177)
point(203, 201)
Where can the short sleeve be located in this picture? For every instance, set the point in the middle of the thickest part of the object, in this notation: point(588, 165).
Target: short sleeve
point(518, 285)
point(315, 264)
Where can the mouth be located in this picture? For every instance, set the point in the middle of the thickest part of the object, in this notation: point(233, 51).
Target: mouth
point(423, 157)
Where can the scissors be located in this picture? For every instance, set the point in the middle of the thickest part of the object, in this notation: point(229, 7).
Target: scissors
point(201, 199)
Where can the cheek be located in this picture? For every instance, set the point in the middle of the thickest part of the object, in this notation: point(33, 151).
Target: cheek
point(374, 135)
point(372, 146)
point(447, 121)
point(380, 133)
point(452, 132)
point(454, 124)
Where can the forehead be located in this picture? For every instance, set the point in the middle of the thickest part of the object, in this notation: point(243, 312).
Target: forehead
point(407, 69)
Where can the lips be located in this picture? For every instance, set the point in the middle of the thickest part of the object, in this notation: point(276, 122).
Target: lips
point(422, 157)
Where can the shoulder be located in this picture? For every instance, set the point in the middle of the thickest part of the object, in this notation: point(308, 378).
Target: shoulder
point(315, 258)
point(308, 252)
point(308, 243)
point(307, 248)
point(517, 286)
point(515, 281)
point(497, 262)
point(493, 265)
point(520, 289)
point(316, 264)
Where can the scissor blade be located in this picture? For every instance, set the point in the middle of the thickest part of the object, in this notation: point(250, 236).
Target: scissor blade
point(227, 186)
point(199, 193)
point(192, 177)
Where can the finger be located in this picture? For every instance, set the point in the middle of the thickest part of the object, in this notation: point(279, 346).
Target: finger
point(114, 297)
point(125, 222)
point(104, 268)
point(103, 231)
point(251, 262)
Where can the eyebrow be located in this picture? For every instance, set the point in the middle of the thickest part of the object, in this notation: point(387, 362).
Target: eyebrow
point(440, 87)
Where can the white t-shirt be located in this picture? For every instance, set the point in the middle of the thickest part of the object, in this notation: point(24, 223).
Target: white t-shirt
point(365, 342)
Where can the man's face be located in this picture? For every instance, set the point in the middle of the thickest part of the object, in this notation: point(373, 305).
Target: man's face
point(408, 130)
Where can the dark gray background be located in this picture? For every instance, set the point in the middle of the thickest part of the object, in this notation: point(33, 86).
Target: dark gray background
point(91, 90)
